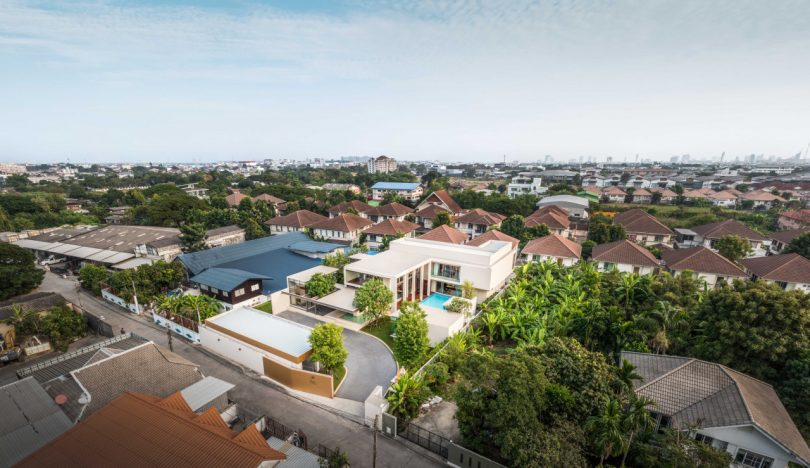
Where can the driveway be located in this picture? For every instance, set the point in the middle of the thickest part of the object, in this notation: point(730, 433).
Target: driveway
point(370, 363)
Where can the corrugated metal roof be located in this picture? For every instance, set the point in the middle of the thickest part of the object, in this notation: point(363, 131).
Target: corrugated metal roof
point(203, 392)
point(30, 419)
point(226, 279)
point(134, 263)
point(276, 264)
point(118, 258)
point(199, 261)
point(395, 185)
point(315, 247)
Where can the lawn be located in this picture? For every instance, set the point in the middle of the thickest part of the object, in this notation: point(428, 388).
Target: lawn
point(338, 377)
point(676, 216)
point(266, 307)
point(382, 330)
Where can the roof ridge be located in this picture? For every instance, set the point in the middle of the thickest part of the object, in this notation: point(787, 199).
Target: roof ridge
point(665, 374)
point(737, 385)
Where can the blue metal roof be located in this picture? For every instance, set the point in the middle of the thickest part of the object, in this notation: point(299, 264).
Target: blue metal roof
point(277, 265)
point(226, 279)
point(199, 261)
point(395, 185)
point(315, 247)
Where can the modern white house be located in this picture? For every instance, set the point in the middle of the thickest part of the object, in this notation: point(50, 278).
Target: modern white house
point(721, 407)
point(408, 191)
point(576, 207)
point(526, 183)
point(789, 271)
point(624, 256)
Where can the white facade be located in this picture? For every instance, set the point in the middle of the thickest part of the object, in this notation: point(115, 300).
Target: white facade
point(625, 268)
point(525, 185)
point(737, 440)
point(710, 279)
point(409, 195)
point(564, 261)
point(350, 237)
point(382, 165)
point(278, 229)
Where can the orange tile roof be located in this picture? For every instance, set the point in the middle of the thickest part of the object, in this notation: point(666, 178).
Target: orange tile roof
point(624, 251)
point(356, 205)
point(614, 191)
point(392, 209)
point(700, 260)
point(480, 216)
point(137, 430)
point(445, 233)
point(392, 227)
point(298, 219)
point(553, 246)
point(430, 212)
point(234, 198)
point(551, 218)
point(443, 198)
point(641, 222)
point(347, 222)
point(493, 234)
point(269, 199)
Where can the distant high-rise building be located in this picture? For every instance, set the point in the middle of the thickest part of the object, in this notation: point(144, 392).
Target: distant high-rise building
point(382, 165)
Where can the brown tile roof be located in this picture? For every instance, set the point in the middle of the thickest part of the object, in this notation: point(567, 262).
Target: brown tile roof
point(761, 195)
point(614, 191)
point(392, 227)
point(639, 221)
point(430, 212)
point(146, 368)
point(786, 236)
point(137, 430)
point(551, 218)
point(234, 198)
point(479, 216)
point(700, 260)
point(593, 189)
point(298, 219)
point(357, 205)
point(729, 227)
point(392, 209)
point(799, 215)
point(694, 392)
point(347, 222)
point(444, 198)
point(792, 268)
point(547, 209)
point(624, 251)
point(493, 234)
point(694, 194)
point(724, 195)
point(445, 233)
point(641, 193)
point(665, 192)
point(554, 246)
point(705, 191)
point(265, 197)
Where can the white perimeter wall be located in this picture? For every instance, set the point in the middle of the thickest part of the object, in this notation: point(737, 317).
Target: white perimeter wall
point(238, 351)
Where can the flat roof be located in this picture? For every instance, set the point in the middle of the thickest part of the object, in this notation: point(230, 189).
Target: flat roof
point(304, 276)
point(265, 329)
point(342, 299)
point(203, 392)
point(387, 264)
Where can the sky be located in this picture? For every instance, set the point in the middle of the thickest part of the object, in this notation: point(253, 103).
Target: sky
point(186, 81)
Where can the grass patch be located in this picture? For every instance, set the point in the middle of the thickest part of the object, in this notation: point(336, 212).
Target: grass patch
point(266, 307)
point(338, 377)
point(676, 216)
point(382, 330)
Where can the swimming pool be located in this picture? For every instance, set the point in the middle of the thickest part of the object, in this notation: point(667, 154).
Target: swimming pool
point(436, 300)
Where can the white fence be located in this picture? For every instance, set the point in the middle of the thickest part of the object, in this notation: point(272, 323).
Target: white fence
point(177, 328)
point(106, 294)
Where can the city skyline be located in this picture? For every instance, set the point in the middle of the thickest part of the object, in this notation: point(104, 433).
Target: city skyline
point(143, 81)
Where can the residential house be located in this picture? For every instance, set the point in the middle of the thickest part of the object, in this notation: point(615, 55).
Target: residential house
point(477, 221)
point(559, 176)
point(117, 215)
point(708, 235)
point(614, 194)
point(390, 211)
point(382, 165)
point(391, 229)
point(408, 191)
point(493, 235)
point(279, 205)
point(762, 200)
point(343, 229)
point(593, 180)
point(638, 182)
point(781, 239)
point(139, 429)
point(642, 196)
point(362, 209)
point(725, 199)
point(554, 217)
point(577, 207)
point(552, 247)
point(445, 233)
point(703, 263)
point(794, 219)
point(695, 195)
point(667, 196)
point(721, 407)
point(789, 271)
point(526, 183)
point(443, 200)
point(230, 285)
point(236, 196)
point(624, 256)
point(644, 228)
point(193, 191)
point(294, 222)
point(426, 215)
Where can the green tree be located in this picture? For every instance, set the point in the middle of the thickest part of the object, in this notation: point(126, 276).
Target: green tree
point(636, 420)
point(406, 396)
point(411, 342)
point(203, 306)
point(587, 248)
point(18, 272)
point(514, 226)
point(800, 245)
point(373, 299)
point(91, 277)
point(337, 260)
point(733, 247)
point(604, 231)
point(467, 289)
point(606, 431)
point(677, 449)
point(193, 237)
point(336, 459)
point(327, 346)
point(441, 219)
point(62, 326)
point(320, 285)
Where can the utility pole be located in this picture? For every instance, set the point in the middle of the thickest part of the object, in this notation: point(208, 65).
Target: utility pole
point(134, 294)
point(374, 453)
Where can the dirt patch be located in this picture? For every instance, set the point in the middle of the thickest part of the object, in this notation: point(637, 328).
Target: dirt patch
point(441, 419)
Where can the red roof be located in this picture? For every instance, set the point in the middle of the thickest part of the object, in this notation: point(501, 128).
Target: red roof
point(761, 195)
point(786, 236)
point(392, 209)
point(138, 430)
point(791, 268)
point(445, 233)
point(430, 212)
point(614, 191)
point(551, 218)
point(729, 227)
point(234, 198)
point(443, 198)
point(265, 197)
point(479, 216)
point(553, 246)
point(356, 205)
point(802, 216)
point(491, 235)
point(298, 219)
point(641, 222)
point(392, 227)
point(641, 193)
point(700, 260)
point(624, 251)
point(346, 222)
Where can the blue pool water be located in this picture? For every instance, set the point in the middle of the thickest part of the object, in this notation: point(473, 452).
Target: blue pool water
point(372, 252)
point(436, 300)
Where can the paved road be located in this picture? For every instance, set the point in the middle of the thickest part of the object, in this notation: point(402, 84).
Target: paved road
point(319, 424)
point(369, 364)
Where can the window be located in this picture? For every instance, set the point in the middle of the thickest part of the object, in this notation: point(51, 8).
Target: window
point(255, 287)
point(204, 287)
point(704, 438)
point(239, 292)
point(215, 290)
point(446, 271)
point(607, 266)
point(746, 458)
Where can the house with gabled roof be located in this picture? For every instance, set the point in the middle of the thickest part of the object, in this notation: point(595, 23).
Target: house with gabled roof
point(477, 221)
point(642, 196)
point(552, 247)
point(705, 264)
point(707, 235)
point(408, 191)
point(554, 217)
point(725, 199)
point(721, 407)
point(441, 198)
point(344, 229)
point(362, 209)
point(395, 211)
point(493, 235)
point(390, 228)
point(614, 194)
point(279, 205)
point(294, 222)
point(447, 234)
point(426, 215)
point(781, 239)
point(762, 199)
point(235, 197)
point(624, 256)
point(794, 219)
point(644, 228)
point(667, 195)
point(789, 271)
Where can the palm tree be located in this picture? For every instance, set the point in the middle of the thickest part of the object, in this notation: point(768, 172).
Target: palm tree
point(406, 395)
point(173, 304)
point(19, 315)
point(607, 431)
point(668, 317)
point(637, 419)
point(204, 306)
point(625, 376)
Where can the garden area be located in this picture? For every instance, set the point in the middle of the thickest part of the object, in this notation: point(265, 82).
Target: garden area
point(59, 324)
point(538, 379)
point(683, 216)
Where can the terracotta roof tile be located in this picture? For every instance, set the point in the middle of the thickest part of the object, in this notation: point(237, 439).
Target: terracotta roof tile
point(786, 236)
point(641, 193)
point(392, 209)
point(724, 195)
point(443, 198)
point(761, 195)
point(792, 268)
point(479, 216)
point(700, 260)
point(234, 198)
point(445, 233)
point(265, 197)
point(624, 251)
point(430, 212)
point(799, 215)
point(552, 219)
point(614, 191)
point(729, 227)
point(357, 205)
point(554, 246)
point(493, 234)
point(347, 222)
point(392, 227)
point(639, 221)
point(298, 219)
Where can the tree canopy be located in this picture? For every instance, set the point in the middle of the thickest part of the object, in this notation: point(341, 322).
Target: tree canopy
point(733, 247)
point(373, 299)
point(327, 346)
point(18, 272)
point(411, 342)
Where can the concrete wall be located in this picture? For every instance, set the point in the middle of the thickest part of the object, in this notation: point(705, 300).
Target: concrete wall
point(543, 258)
point(180, 330)
point(280, 301)
point(232, 349)
point(299, 379)
point(107, 295)
point(627, 268)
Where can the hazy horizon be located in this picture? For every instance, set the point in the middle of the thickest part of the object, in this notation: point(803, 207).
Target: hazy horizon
point(143, 80)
